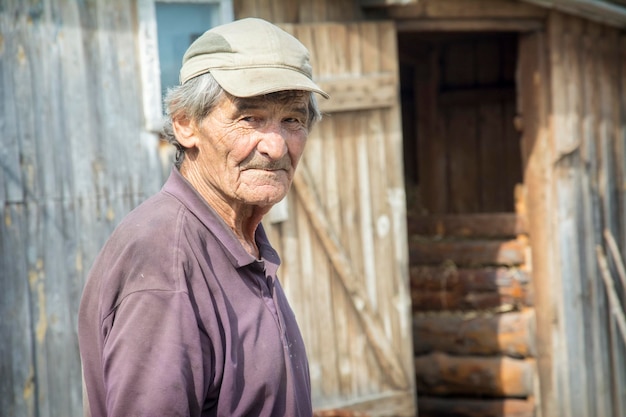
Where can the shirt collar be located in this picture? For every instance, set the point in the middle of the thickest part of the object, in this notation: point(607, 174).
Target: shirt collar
point(178, 187)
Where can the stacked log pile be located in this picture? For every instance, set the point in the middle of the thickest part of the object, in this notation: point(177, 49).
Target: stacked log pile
point(472, 316)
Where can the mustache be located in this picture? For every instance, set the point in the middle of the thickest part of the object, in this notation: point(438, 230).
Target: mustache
point(260, 162)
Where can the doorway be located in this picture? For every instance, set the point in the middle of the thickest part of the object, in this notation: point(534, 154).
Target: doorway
point(470, 284)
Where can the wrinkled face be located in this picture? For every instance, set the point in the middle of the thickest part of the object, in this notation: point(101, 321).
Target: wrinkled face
point(248, 148)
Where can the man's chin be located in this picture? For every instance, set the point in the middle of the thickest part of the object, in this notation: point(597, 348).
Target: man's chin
point(265, 195)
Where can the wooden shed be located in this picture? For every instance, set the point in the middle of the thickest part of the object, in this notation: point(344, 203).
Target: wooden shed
point(443, 243)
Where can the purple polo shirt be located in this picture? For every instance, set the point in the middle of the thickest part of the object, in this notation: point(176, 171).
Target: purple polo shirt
point(177, 319)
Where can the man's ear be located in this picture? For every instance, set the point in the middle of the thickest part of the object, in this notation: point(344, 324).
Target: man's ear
point(185, 131)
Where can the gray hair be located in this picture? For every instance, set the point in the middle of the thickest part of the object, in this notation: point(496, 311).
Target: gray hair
point(196, 98)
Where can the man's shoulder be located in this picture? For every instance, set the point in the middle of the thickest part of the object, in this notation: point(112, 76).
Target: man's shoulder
point(143, 251)
point(149, 224)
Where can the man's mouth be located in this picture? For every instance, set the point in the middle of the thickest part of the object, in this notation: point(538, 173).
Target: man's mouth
point(265, 165)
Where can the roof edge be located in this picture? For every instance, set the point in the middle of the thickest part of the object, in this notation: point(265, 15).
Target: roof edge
point(601, 11)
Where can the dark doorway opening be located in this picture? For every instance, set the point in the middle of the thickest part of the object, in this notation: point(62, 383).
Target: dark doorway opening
point(462, 152)
point(467, 244)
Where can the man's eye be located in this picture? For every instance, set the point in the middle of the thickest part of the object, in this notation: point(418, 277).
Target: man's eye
point(292, 120)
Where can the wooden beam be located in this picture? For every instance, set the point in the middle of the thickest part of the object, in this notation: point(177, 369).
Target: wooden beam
point(469, 25)
point(467, 9)
point(364, 92)
point(533, 105)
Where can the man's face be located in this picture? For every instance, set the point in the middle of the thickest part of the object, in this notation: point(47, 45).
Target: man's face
point(248, 148)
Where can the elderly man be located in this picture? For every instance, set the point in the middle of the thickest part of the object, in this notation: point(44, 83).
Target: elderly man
point(182, 313)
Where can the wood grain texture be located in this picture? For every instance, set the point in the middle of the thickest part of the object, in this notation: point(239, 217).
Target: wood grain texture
point(442, 374)
point(76, 160)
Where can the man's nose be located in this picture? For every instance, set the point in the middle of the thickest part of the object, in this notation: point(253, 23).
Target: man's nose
point(273, 141)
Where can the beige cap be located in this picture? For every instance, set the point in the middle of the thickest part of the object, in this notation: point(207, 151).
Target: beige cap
point(250, 57)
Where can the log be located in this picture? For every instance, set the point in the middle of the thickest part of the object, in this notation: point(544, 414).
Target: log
point(510, 334)
point(442, 374)
point(463, 407)
point(467, 252)
point(450, 288)
point(486, 225)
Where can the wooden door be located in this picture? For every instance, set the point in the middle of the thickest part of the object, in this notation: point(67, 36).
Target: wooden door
point(341, 231)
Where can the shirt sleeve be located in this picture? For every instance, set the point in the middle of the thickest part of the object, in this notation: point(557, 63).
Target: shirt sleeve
point(153, 360)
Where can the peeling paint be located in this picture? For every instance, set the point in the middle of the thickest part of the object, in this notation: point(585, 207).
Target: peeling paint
point(79, 262)
point(42, 322)
point(8, 222)
point(110, 214)
point(29, 385)
point(32, 279)
point(21, 55)
point(36, 281)
point(1, 45)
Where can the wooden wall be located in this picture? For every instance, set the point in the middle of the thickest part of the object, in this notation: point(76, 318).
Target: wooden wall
point(74, 160)
point(301, 11)
point(573, 109)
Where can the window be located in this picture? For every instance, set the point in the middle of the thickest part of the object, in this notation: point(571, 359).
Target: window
point(166, 29)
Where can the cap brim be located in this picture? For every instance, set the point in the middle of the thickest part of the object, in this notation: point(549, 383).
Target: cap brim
point(249, 82)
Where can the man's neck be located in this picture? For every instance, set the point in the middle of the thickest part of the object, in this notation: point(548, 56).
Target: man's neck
point(241, 218)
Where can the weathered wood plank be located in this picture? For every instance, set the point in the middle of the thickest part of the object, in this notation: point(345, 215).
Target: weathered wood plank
point(18, 387)
point(351, 93)
point(595, 155)
point(431, 146)
point(392, 225)
point(610, 133)
point(442, 374)
point(462, 138)
point(10, 173)
point(537, 157)
point(569, 289)
point(495, 195)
